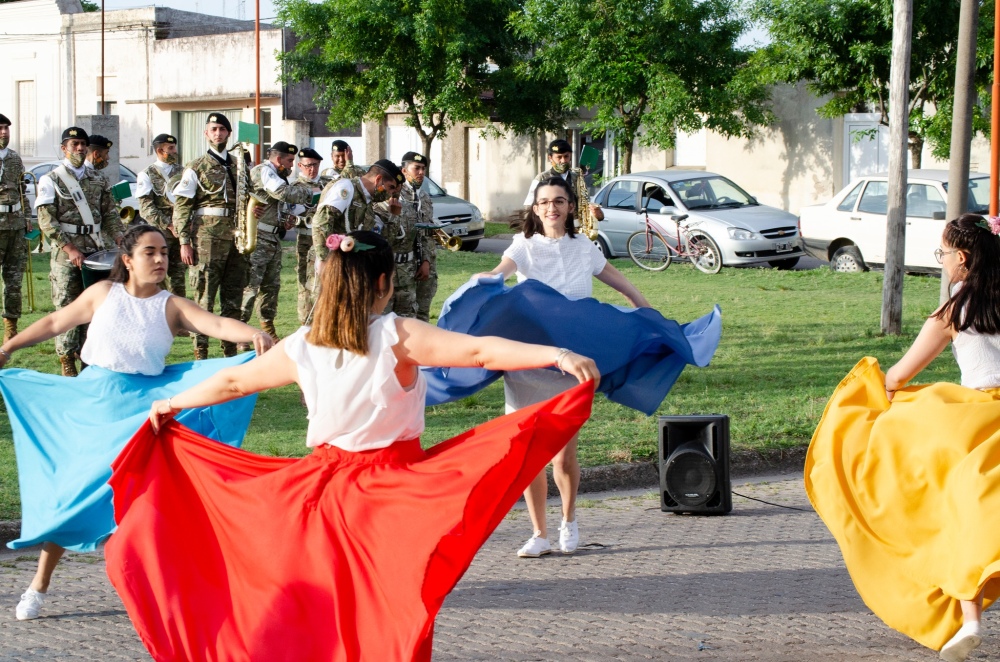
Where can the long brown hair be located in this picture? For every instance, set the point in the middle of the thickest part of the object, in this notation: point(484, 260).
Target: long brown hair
point(528, 221)
point(975, 305)
point(347, 293)
point(119, 274)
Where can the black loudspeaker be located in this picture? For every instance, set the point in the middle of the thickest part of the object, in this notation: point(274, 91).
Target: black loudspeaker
point(694, 464)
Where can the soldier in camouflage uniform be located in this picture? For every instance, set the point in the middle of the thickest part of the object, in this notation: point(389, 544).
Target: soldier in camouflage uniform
point(205, 223)
point(410, 245)
point(346, 203)
point(270, 188)
point(305, 254)
point(156, 204)
point(14, 222)
point(343, 163)
point(77, 215)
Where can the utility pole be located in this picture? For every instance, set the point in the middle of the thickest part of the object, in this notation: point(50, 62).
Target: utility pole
point(899, 121)
point(995, 118)
point(256, 113)
point(961, 122)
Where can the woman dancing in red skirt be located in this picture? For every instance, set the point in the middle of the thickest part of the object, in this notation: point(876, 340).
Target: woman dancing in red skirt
point(346, 554)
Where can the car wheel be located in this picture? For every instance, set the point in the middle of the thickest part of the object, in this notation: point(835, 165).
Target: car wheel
point(603, 245)
point(470, 245)
point(784, 265)
point(706, 255)
point(847, 259)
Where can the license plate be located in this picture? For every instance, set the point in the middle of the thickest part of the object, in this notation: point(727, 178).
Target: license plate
point(782, 248)
point(459, 232)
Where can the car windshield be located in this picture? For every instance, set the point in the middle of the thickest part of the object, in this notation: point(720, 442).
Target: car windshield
point(432, 189)
point(711, 193)
point(979, 195)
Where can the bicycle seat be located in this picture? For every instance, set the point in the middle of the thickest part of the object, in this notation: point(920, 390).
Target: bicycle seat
point(678, 219)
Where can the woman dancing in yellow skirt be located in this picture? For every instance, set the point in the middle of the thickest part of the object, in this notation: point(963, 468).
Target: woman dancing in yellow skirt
point(908, 478)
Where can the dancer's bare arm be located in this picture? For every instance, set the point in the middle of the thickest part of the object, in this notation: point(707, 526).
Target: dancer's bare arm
point(934, 336)
point(613, 278)
point(186, 315)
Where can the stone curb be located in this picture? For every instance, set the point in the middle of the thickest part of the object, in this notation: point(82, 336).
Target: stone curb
point(631, 475)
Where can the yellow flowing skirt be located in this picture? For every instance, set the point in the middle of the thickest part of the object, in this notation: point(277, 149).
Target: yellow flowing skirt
point(911, 492)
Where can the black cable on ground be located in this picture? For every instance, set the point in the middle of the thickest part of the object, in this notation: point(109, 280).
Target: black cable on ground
point(804, 510)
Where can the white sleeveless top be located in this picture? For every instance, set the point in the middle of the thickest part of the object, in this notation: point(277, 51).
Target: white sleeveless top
point(128, 334)
point(355, 401)
point(978, 356)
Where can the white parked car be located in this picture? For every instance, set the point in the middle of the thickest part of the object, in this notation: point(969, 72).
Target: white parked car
point(849, 230)
point(124, 175)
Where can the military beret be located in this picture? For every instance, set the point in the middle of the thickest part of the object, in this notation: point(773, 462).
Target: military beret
point(4, 120)
point(309, 153)
point(99, 141)
point(219, 118)
point(283, 148)
point(559, 146)
point(339, 146)
point(74, 132)
point(415, 157)
point(391, 168)
point(164, 138)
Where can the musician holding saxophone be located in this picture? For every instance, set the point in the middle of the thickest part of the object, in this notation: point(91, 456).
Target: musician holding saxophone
point(270, 188)
point(15, 221)
point(156, 204)
point(205, 222)
point(560, 155)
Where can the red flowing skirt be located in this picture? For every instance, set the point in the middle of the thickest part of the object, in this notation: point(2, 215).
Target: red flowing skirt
point(221, 554)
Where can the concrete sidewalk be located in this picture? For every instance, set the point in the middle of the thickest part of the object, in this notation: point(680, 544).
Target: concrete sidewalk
point(764, 583)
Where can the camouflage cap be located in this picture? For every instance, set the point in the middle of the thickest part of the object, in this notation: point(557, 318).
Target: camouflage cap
point(415, 157)
point(391, 168)
point(164, 138)
point(283, 148)
point(76, 133)
point(219, 118)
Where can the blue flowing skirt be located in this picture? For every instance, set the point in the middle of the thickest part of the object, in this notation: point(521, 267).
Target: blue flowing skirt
point(639, 352)
point(68, 431)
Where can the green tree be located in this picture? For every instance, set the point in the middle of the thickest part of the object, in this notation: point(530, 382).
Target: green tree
point(439, 60)
point(661, 65)
point(843, 48)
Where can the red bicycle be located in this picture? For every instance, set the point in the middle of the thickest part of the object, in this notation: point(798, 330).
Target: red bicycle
point(650, 250)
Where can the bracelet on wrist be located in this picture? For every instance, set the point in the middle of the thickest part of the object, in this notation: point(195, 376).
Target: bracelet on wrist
point(5, 353)
point(559, 358)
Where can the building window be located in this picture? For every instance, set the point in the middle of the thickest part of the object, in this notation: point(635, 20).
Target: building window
point(27, 136)
point(265, 130)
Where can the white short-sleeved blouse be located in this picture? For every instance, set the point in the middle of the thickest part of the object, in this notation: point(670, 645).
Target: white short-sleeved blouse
point(567, 264)
point(355, 402)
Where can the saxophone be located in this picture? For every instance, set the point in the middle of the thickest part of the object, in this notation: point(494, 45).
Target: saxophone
point(584, 216)
point(246, 220)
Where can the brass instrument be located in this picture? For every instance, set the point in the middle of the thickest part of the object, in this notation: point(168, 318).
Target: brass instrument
point(584, 215)
point(29, 272)
point(127, 214)
point(246, 220)
point(446, 240)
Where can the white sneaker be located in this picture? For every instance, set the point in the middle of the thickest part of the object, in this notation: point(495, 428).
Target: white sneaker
point(964, 642)
point(535, 547)
point(569, 537)
point(30, 604)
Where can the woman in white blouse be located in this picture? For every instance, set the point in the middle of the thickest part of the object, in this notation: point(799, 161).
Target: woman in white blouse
point(549, 250)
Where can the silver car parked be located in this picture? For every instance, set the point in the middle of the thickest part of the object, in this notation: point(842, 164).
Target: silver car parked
point(745, 231)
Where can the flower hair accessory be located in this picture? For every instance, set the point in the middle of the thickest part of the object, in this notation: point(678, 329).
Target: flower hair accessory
point(346, 244)
point(992, 223)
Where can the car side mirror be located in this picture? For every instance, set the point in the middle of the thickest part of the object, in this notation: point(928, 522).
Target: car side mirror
point(668, 211)
point(938, 215)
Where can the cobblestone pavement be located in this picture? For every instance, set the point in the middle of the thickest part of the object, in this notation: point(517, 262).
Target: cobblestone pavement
point(764, 583)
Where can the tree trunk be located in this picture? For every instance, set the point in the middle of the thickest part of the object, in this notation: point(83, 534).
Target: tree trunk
point(895, 240)
point(916, 145)
point(626, 162)
point(428, 140)
point(961, 122)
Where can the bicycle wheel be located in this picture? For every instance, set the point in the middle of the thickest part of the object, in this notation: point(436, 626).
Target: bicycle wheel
point(705, 253)
point(649, 251)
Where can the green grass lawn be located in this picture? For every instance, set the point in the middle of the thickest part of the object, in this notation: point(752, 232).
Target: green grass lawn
point(788, 338)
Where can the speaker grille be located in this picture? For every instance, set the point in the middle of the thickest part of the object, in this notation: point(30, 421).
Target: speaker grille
point(690, 475)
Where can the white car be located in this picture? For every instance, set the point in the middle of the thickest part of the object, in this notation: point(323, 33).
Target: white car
point(849, 230)
point(124, 175)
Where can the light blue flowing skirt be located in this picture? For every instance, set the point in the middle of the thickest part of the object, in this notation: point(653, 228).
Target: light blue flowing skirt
point(639, 352)
point(67, 431)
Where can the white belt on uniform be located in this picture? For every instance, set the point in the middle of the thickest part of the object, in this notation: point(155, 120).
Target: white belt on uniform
point(7, 209)
point(212, 211)
point(72, 228)
point(267, 227)
point(403, 258)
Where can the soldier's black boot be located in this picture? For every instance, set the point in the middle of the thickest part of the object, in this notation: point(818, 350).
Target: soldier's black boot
point(9, 329)
point(68, 364)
